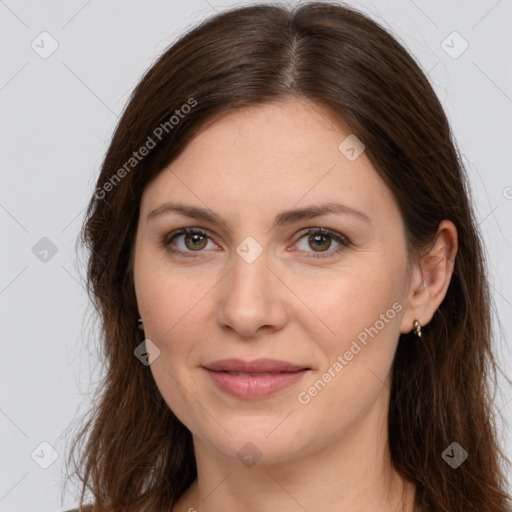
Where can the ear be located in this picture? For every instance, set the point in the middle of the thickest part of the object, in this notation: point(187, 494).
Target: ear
point(430, 278)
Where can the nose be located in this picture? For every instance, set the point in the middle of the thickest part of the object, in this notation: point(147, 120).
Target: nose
point(252, 298)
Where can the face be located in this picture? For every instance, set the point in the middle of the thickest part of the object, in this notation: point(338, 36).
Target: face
point(323, 293)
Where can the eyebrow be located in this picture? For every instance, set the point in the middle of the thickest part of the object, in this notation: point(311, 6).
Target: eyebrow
point(282, 218)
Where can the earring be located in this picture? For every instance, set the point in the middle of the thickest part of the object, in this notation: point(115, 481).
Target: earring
point(417, 328)
point(139, 324)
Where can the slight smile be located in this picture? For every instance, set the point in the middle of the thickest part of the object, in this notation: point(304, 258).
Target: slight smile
point(254, 379)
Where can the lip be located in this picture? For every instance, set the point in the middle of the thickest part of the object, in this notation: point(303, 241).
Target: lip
point(255, 366)
point(268, 376)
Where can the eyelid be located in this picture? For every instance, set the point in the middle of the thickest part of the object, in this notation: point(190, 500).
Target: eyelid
point(165, 241)
point(340, 238)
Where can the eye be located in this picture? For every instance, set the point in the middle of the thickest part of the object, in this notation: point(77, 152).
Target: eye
point(195, 240)
point(319, 239)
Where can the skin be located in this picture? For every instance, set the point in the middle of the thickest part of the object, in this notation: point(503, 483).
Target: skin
point(330, 454)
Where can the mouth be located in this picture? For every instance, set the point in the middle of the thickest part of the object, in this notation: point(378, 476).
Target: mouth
point(256, 379)
point(257, 366)
point(253, 374)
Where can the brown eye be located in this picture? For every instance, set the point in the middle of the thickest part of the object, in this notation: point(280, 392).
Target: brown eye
point(194, 241)
point(319, 241)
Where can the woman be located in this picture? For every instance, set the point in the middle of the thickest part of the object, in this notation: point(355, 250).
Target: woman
point(292, 286)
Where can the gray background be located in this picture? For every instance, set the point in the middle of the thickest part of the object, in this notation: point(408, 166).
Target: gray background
point(57, 116)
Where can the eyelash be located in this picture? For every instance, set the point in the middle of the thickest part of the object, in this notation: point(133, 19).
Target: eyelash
point(341, 239)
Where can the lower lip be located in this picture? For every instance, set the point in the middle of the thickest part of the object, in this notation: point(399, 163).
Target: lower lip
point(252, 387)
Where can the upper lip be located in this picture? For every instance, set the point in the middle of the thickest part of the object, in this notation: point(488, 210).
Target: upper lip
point(255, 366)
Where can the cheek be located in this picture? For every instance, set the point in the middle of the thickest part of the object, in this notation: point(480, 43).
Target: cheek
point(168, 297)
point(357, 358)
point(176, 309)
point(362, 310)
point(344, 304)
point(173, 308)
point(332, 308)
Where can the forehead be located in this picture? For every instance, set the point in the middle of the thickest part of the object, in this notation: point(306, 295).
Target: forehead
point(268, 157)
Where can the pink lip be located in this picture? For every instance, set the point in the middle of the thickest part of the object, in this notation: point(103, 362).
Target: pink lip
point(280, 375)
point(256, 366)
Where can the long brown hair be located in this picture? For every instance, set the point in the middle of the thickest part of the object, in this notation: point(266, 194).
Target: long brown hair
point(132, 451)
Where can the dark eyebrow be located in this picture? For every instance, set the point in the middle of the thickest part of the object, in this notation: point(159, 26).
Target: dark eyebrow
point(282, 218)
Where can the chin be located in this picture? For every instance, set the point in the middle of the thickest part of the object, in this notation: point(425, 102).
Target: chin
point(263, 442)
